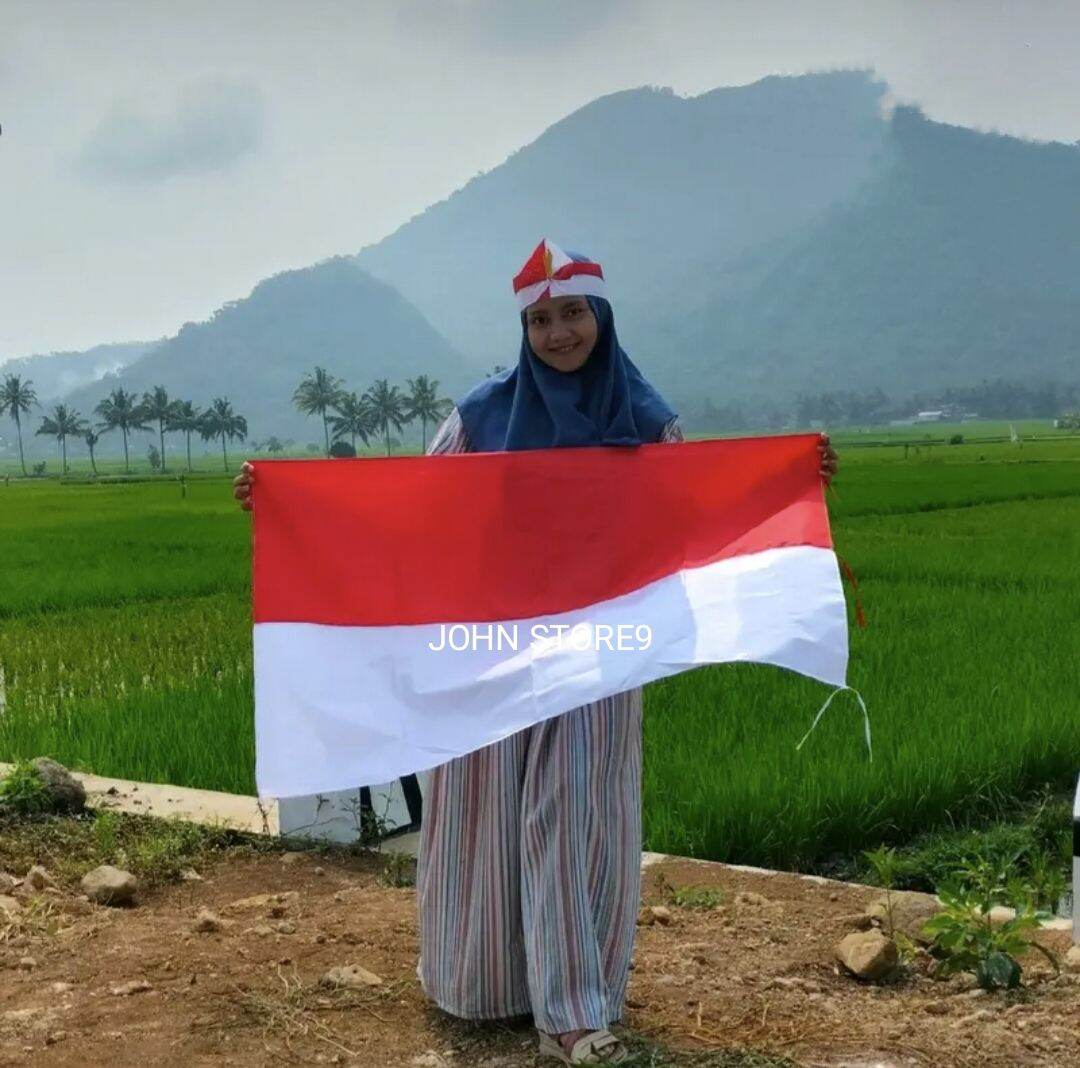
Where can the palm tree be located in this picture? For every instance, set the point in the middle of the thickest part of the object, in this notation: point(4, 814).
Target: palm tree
point(424, 403)
point(354, 418)
point(121, 410)
point(388, 405)
point(59, 425)
point(91, 437)
point(220, 421)
point(317, 393)
point(157, 406)
point(187, 418)
point(17, 398)
point(273, 444)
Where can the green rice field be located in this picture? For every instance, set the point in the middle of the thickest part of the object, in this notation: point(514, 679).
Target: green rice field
point(125, 649)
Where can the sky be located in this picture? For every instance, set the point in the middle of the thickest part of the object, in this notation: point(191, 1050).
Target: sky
point(158, 159)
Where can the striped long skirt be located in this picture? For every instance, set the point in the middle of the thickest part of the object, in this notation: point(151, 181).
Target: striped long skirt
point(529, 872)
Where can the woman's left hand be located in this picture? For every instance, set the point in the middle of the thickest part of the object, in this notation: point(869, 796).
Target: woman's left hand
point(829, 462)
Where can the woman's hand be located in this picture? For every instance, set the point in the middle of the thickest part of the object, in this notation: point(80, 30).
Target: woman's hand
point(829, 462)
point(243, 485)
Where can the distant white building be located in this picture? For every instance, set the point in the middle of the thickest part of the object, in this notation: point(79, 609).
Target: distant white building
point(930, 417)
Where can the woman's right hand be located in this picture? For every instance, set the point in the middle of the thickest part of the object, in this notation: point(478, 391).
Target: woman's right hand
point(243, 485)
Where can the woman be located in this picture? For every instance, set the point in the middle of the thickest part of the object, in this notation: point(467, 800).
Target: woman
point(530, 855)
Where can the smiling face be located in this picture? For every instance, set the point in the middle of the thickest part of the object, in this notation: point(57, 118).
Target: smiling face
point(562, 331)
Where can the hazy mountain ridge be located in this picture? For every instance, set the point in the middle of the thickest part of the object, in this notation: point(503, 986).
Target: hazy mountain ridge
point(958, 262)
point(255, 350)
point(57, 373)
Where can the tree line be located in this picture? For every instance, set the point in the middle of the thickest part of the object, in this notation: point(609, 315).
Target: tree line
point(991, 399)
point(345, 415)
point(350, 415)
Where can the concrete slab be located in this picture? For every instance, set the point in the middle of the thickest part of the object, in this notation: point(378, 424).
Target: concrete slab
point(208, 807)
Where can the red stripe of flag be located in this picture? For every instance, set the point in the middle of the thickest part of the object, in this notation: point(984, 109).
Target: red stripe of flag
point(487, 537)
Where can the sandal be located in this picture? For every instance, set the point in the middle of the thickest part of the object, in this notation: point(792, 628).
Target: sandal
point(597, 1047)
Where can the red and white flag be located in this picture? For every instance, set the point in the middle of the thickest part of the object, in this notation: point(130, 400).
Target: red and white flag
point(413, 609)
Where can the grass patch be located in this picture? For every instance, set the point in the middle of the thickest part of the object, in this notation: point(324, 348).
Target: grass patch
point(155, 851)
point(125, 649)
point(704, 898)
point(1034, 841)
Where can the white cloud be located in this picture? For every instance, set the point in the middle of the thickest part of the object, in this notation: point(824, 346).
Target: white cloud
point(211, 125)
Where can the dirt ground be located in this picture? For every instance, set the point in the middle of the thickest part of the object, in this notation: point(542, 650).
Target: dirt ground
point(140, 986)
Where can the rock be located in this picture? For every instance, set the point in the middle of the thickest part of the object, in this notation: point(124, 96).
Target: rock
point(429, 1059)
point(65, 792)
point(858, 921)
point(1072, 959)
point(867, 954)
point(19, 1017)
point(37, 878)
point(751, 899)
point(207, 922)
point(262, 901)
point(261, 929)
point(9, 906)
point(910, 911)
point(660, 914)
point(27, 964)
point(351, 976)
point(7, 882)
point(55, 1036)
point(134, 986)
point(190, 875)
point(937, 1008)
point(794, 982)
point(1001, 914)
point(318, 870)
point(285, 927)
point(107, 885)
point(291, 858)
point(60, 988)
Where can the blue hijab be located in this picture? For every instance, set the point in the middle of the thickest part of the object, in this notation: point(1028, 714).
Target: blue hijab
point(532, 406)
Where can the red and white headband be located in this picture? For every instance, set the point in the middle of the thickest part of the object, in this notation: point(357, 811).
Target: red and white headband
point(550, 272)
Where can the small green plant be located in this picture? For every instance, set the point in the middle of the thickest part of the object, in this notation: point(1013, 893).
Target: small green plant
point(694, 897)
point(398, 871)
point(885, 864)
point(1047, 880)
point(23, 791)
point(956, 439)
point(105, 833)
point(965, 938)
point(698, 897)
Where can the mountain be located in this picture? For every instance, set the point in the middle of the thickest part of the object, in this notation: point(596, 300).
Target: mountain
point(667, 192)
point(254, 351)
point(958, 261)
point(794, 234)
point(57, 373)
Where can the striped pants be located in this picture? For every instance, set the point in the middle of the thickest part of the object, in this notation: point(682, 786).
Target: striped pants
point(529, 872)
